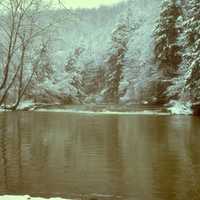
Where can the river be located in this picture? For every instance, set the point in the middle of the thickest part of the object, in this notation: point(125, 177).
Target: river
point(129, 157)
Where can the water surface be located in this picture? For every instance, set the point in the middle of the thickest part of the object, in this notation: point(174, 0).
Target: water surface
point(129, 157)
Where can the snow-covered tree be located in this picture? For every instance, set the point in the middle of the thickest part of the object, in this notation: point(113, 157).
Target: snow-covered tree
point(166, 32)
point(115, 60)
point(186, 85)
point(192, 33)
point(74, 69)
point(21, 33)
point(139, 71)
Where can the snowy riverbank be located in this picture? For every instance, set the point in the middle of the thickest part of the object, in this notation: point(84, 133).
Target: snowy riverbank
point(173, 108)
point(26, 197)
point(180, 108)
point(91, 109)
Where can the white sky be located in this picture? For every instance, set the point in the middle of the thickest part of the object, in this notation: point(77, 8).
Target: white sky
point(87, 3)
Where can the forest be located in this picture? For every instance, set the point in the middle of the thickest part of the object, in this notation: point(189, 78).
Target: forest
point(134, 52)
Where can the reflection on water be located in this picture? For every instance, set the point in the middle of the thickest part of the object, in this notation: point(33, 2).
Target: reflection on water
point(120, 157)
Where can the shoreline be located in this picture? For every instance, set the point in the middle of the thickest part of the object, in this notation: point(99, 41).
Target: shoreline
point(174, 108)
point(27, 197)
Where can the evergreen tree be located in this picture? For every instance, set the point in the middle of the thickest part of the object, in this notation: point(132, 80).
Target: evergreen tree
point(166, 32)
point(73, 73)
point(192, 26)
point(114, 63)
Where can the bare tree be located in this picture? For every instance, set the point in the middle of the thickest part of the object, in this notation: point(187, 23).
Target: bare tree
point(21, 35)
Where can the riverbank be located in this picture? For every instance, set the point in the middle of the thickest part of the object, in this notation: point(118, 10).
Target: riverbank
point(27, 197)
point(94, 109)
point(173, 108)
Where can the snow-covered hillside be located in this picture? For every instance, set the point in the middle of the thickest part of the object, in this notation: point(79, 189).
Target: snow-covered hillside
point(137, 51)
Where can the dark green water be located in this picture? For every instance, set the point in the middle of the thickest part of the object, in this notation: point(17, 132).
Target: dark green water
point(133, 157)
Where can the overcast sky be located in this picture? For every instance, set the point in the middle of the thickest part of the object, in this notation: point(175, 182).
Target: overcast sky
point(88, 3)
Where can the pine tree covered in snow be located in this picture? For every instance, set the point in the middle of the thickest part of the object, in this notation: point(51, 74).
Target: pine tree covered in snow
point(114, 62)
point(74, 72)
point(192, 26)
point(166, 32)
point(186, 86)
point(139, 72)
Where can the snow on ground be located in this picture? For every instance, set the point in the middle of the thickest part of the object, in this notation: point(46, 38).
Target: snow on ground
point(25, 104)
point(106, 112)
point(174, 108)
point(26, 197)
point(180, 108)
point(2, 109)
point(22, 105)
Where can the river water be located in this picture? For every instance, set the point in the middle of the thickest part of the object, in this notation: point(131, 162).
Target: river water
point(129, 157)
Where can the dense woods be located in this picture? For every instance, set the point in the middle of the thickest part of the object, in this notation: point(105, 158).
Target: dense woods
point(133, 52)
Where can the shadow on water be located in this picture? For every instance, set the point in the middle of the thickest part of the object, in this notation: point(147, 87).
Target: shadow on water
point(100, 157)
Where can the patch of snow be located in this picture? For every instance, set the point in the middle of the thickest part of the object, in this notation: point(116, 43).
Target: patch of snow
point(26, 197)
point(2, 110)
point(25, 104)
point(145, 102)
point(180, 108)
point(104, 112)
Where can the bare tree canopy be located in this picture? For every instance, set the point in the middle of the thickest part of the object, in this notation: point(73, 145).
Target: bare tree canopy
point(22, 39)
